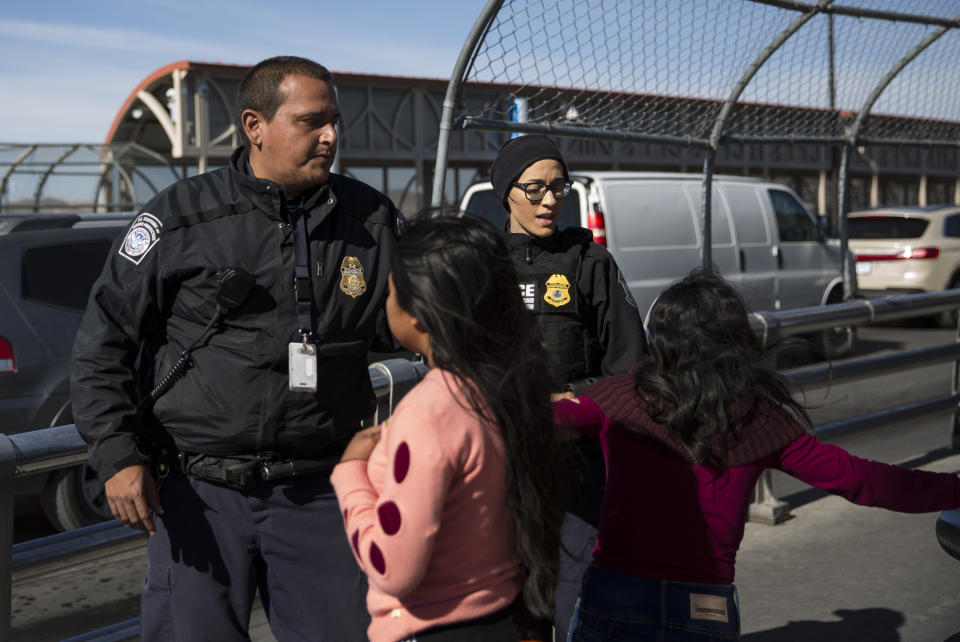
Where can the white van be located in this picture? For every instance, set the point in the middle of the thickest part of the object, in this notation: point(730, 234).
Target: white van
point(765, 241)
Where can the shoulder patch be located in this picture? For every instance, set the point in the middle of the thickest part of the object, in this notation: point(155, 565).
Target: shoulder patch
point(141, 237)
point(626, 290)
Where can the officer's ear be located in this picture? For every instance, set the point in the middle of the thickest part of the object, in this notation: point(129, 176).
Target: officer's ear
point(252, 122)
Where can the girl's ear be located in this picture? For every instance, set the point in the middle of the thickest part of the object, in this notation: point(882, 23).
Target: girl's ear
point(416, 325)
point(421, 339)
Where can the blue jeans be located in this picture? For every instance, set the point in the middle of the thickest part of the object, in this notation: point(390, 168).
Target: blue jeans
point(614, 606)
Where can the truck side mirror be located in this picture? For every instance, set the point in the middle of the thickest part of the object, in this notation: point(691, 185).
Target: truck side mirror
point(824, 227)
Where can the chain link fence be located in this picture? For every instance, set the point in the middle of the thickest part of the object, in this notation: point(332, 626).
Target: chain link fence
point(704, 73)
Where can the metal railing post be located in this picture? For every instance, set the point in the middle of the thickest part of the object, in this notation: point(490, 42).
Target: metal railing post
point(8, 467)
point(765, 508)
point(954, 389)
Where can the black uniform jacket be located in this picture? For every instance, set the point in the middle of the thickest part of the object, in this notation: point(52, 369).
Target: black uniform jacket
point(605, 307)
point(157, 293)
point(606, 322)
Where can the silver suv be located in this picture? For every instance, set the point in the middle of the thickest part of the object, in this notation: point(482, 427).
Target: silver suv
point(48, 264)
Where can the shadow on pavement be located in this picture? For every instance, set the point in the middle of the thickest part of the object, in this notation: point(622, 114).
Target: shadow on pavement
point(866, 625)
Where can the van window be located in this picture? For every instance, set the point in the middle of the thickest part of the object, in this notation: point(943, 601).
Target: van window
point(651, 215)
point(63, 275)
point(719, 221)
point(793, 220)
point(744, 204)
point(483, 204)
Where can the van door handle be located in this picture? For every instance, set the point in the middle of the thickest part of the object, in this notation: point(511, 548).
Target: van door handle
point(779, 260)
point(743, 262)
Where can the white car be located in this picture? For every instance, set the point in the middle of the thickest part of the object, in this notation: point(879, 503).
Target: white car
point(907, 249)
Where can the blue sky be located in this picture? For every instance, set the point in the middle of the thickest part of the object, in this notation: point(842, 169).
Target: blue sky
point(66, 67)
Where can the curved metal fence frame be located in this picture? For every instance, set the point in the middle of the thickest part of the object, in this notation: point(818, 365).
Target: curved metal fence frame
point(454, 116)
point(112, 169)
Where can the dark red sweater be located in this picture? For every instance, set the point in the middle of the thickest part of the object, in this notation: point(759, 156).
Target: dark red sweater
point(665, 518)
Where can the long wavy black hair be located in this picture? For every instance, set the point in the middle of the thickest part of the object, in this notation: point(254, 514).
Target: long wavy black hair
point(455, 276)
point(708, 367)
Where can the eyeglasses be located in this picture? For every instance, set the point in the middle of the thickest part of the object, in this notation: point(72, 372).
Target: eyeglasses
point(536, 190)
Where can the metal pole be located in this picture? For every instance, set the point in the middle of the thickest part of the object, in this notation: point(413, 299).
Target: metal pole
point(452, 97)
point(832, 62)
point(707, 202)
point(846, 267)
point(954, 389)
point(8, 466)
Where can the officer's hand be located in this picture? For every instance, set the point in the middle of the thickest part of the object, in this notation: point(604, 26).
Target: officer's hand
point(362, 444)
point(133, 497)
point(558, 396)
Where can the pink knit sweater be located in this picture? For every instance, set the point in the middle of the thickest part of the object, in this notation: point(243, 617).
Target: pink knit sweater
point(427, 515)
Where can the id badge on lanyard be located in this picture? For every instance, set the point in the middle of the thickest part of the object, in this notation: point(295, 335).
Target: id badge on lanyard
point(302, 357)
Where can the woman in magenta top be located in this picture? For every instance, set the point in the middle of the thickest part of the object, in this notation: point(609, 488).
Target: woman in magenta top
point(453, 505)
point(685, 438)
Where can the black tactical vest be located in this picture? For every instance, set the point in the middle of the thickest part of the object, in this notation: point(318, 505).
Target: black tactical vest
point(549, 286)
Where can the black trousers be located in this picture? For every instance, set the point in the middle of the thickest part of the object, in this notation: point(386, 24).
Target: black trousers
point(215, 547)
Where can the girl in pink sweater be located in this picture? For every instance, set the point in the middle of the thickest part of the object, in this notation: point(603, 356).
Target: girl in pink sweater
point(453, 505)
point(685, 438)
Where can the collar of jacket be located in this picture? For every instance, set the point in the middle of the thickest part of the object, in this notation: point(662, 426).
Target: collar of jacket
point(530, 247)
point(266, 194)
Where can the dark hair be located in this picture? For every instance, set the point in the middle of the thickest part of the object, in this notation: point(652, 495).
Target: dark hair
point(455, 276)
point(260, 88)
point(708, 369)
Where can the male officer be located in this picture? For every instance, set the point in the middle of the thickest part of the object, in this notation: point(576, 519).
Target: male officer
point(241, 380)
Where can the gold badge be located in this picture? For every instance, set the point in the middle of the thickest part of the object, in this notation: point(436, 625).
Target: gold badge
point(352, 282)
point(558, 291)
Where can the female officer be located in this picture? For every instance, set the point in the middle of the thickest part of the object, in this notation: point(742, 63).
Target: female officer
point(590, 323)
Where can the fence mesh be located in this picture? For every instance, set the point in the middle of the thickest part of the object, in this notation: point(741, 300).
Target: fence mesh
point(666, 68)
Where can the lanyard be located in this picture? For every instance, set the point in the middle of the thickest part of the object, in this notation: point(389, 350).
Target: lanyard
point(301, 275)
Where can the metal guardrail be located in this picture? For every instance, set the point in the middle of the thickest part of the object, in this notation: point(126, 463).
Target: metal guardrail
point(52, 448)
point(775, 326)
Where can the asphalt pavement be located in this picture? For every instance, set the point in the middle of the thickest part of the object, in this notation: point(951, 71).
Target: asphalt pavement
point(836, 572)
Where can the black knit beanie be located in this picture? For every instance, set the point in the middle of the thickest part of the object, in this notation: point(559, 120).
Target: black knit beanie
point(516, 155)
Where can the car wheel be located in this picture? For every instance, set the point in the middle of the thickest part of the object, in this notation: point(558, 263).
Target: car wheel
point(74, 497)
point(838, 342)
point(948, 318)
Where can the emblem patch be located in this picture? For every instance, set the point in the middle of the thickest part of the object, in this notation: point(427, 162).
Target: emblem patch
point(142, 236)
point(626, 290)
point(351, 281)
point(558, 291)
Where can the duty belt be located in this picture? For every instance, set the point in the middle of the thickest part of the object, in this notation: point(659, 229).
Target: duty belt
point(245, 472)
